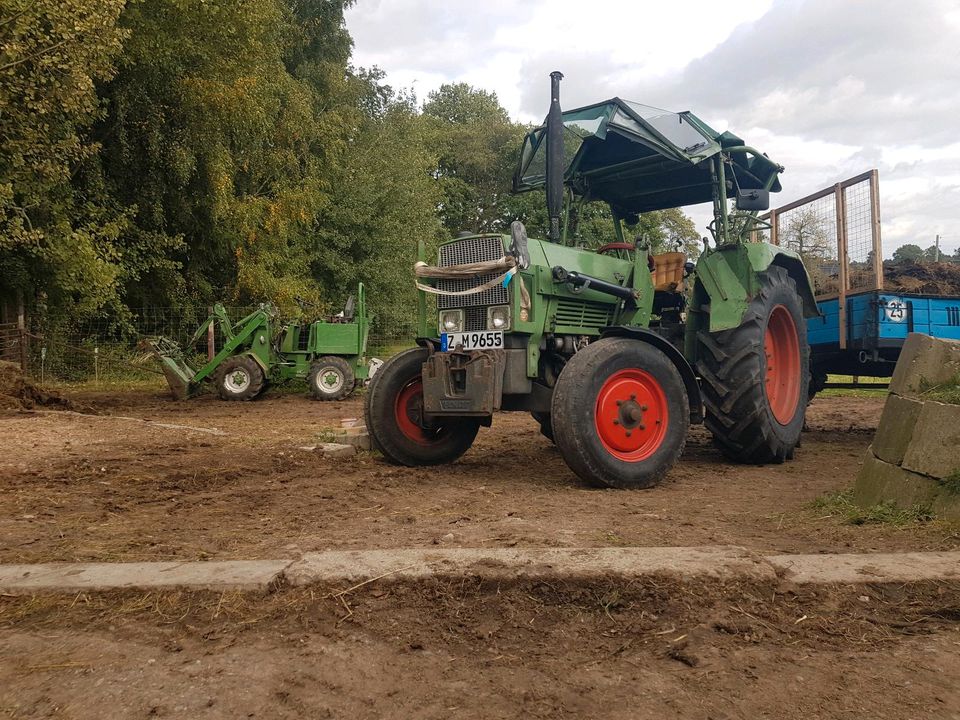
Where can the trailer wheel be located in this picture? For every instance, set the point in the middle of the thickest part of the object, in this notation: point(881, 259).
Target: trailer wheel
point(620, 414)
point(394, 415)
point(331, 378)
point(240, 378)
point(755, 377)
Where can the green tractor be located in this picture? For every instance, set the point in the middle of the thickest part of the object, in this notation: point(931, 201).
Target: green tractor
point(614, 351)
point(330, 355)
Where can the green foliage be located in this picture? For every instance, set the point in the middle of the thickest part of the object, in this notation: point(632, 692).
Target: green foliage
point(840, 504)
point(52, 52)
point(908, 253)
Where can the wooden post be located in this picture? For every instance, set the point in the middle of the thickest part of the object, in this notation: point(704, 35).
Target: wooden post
point(774, 239)
point(875, 228)
point(841, 215)
point(22, 331)
point(211, 339)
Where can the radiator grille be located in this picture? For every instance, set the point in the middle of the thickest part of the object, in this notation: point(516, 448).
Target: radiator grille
point(576, 313)
point(474, 318)
point(471, 250)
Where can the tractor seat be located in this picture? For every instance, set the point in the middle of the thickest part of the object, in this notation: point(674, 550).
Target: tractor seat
point(668, 271)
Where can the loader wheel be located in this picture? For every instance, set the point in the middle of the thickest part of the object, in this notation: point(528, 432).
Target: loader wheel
point(620, 414)
point(755, 377)
point(331, 378)
point(240, 378)
point(394, 416)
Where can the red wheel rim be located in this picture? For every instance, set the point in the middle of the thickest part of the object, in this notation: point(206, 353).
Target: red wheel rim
point(408, 412)
point(631, 415)
point(782, 348)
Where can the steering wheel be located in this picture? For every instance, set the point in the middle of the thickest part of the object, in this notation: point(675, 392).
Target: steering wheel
point(615, 246)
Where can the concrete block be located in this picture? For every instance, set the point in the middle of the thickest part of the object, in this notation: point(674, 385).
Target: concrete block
point(879, 481)
point(872, 568)
point(925, 361)
point(896, 428)
point(336, 450)
point(73, 577)
point(356, 436)
point(350, 567)
point(934, 447)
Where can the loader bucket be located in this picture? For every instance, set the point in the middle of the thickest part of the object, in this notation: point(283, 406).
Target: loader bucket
point(178, 373)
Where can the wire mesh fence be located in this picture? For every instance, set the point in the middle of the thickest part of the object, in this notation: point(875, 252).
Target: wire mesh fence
point(837, 233)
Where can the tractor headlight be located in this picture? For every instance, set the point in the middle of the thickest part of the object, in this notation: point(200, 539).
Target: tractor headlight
point(498, 317)
point(451, 321)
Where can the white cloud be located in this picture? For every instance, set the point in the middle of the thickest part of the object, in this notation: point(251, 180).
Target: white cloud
point(829, 89)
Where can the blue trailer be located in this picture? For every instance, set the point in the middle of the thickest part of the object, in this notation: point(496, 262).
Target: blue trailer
point(875, 325)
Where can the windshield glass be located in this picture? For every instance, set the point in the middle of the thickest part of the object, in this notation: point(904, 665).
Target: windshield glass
point(672, 126)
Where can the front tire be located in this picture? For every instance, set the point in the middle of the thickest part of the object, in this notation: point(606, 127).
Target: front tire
point(331, 378)
point(240, 378)
point(394, 416)
point(755, 377)
point(620, 414)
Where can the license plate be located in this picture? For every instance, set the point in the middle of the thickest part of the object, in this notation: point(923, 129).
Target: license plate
point(481, 340)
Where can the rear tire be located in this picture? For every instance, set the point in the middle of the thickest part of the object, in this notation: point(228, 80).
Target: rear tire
point(620, 414)
point(755, 377)
point(239, 378)
point(394, 416)
point(331, 378)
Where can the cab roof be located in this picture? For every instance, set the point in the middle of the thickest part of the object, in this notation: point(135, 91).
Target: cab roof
point(640, 158)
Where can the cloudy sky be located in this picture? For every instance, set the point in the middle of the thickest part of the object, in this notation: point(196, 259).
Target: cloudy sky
point(828, 88)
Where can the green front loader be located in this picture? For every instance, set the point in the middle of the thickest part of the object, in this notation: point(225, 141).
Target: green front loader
point(613, 351)
point(330, 354)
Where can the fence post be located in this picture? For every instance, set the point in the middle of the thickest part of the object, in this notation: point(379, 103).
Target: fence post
point(22, 331)
point(840, 206)
point(875, 228)
point(211, 338)
point(96, 364)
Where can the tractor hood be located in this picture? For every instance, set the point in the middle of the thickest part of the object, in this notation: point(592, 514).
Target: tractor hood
point(639, 158)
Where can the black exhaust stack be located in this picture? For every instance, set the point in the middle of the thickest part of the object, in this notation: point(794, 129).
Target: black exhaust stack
point(555, 157)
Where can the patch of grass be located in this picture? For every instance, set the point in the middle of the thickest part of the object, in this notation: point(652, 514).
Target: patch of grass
point(840, 504)
point(948, 392)
point(865, 391)
point(951, 483)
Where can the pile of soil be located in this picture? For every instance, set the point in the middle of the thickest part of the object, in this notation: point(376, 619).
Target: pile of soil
point(19, 393)
point(926, 278)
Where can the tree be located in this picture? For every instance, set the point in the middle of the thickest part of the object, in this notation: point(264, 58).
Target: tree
point(476, 145)
point(908, 253)
point(806, 233)
point(56, 243)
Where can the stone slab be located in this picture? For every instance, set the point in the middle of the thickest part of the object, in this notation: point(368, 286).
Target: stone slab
point(336, 450)
point(925, 361)
point(888, 567)
point(896, 428)
point(358, 437)
point(248, 575)
point(934, 447)
point(346, 568)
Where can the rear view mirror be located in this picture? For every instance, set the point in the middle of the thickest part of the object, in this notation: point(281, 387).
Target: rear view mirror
point(753, 200)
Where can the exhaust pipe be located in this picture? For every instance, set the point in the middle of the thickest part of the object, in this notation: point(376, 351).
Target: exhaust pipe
point(554, 157)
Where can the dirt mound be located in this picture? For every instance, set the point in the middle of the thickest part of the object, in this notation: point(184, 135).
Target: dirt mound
point(926, 278)
point(19, 393)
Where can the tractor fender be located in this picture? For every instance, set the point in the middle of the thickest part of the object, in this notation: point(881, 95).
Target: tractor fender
point(258, 361)
point(676, 357)
point(727, 280)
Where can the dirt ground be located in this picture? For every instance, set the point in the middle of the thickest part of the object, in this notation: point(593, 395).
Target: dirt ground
point(108, 487)
point(230, 482)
